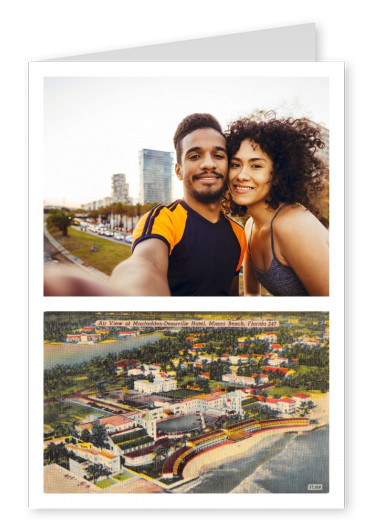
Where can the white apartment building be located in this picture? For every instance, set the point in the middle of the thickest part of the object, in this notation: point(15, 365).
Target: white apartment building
point(94, 456)
point(160, 384)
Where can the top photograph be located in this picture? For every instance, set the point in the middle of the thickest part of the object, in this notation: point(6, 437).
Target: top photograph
point(186, 185)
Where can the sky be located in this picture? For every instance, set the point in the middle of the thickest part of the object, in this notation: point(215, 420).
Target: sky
point(95, 126)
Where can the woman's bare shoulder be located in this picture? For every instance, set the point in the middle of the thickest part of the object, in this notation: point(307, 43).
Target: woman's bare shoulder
point(248, 227)
point(297, 220)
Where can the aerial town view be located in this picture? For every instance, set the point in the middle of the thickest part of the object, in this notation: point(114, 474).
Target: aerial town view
point(186, 403)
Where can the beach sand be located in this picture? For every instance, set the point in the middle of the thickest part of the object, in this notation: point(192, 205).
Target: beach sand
point(321, 412)
point(230, 452)
point(227, 453)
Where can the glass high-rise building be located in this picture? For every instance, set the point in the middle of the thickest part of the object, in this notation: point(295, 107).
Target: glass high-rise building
point(156, 174)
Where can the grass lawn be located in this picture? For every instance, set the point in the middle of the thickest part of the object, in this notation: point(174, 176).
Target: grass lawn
point(108, 255)
point(284, 391)
point(104, 483)
point(58, 413)
point(122, 477)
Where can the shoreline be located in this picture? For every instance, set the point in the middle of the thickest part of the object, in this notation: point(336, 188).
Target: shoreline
point(232, 452)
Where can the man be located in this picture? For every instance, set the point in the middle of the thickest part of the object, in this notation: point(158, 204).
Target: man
point(189, 247)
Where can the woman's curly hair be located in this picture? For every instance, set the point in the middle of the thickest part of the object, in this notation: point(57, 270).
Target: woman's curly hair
point(298, 174)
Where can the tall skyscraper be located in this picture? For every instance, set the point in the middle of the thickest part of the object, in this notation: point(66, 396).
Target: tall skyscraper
point(156, 173)
point(120, 194)
point(120, 188)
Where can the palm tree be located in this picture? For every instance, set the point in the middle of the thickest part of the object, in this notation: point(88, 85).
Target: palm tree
point(117, 211)
point(51, 452)
point(104, 213)
point(60, 220)
point(139, 211)
point(132, 214)
point(158, 454)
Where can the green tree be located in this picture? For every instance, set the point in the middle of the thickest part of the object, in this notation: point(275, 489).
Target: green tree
point(99, 435)
point(95, 471)
point(86, 436)
point(60, 220)
point(106, 472)
point(50, 452)
point(158, 454)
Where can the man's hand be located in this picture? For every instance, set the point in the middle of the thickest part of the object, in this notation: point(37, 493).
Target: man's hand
point(69, 281)
point(145, 272)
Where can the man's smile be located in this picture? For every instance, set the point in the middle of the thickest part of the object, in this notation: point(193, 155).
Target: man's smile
point(208, 178)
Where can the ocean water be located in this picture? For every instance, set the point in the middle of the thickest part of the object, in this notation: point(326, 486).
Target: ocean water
point(279, 464)
point(73, 353)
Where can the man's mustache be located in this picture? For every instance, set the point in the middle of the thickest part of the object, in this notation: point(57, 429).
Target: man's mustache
point(206, 173)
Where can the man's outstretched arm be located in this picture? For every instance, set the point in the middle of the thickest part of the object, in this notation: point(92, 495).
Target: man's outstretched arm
point(145, 272)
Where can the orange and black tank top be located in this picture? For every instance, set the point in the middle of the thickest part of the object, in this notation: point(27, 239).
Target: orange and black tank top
point(204, 257)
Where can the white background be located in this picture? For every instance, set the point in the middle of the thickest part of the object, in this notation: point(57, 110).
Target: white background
point(38, 30)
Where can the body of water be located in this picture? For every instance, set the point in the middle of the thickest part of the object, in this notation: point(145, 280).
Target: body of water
point(72, 353)
point(279, 464)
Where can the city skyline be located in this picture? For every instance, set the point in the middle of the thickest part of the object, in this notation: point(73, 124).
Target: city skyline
point(95, 127)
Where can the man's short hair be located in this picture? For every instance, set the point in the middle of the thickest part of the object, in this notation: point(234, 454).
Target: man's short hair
point(190, 124)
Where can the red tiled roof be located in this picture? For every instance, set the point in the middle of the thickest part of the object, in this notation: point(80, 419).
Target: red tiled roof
point(275, 369)
point(124, 363)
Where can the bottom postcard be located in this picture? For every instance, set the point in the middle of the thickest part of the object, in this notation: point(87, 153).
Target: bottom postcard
point(171, 403)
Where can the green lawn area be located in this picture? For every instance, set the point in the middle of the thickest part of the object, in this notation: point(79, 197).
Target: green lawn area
point(104, 483)
point(64, 415)
point(283, 391)
point(108, 255)
point(123, 476)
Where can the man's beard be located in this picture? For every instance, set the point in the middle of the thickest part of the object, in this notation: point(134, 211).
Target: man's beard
point(211, 195)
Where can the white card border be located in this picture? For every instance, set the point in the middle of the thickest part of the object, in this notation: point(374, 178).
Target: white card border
point(333, 304)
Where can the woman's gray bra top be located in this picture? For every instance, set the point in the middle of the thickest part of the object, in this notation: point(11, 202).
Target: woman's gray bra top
point(279, 280)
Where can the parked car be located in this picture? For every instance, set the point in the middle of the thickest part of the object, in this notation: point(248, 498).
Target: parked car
point(118, 236)
point(108, 233)
point(128, 239)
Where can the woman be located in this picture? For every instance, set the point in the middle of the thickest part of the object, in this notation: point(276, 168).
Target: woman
point(276, 178)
